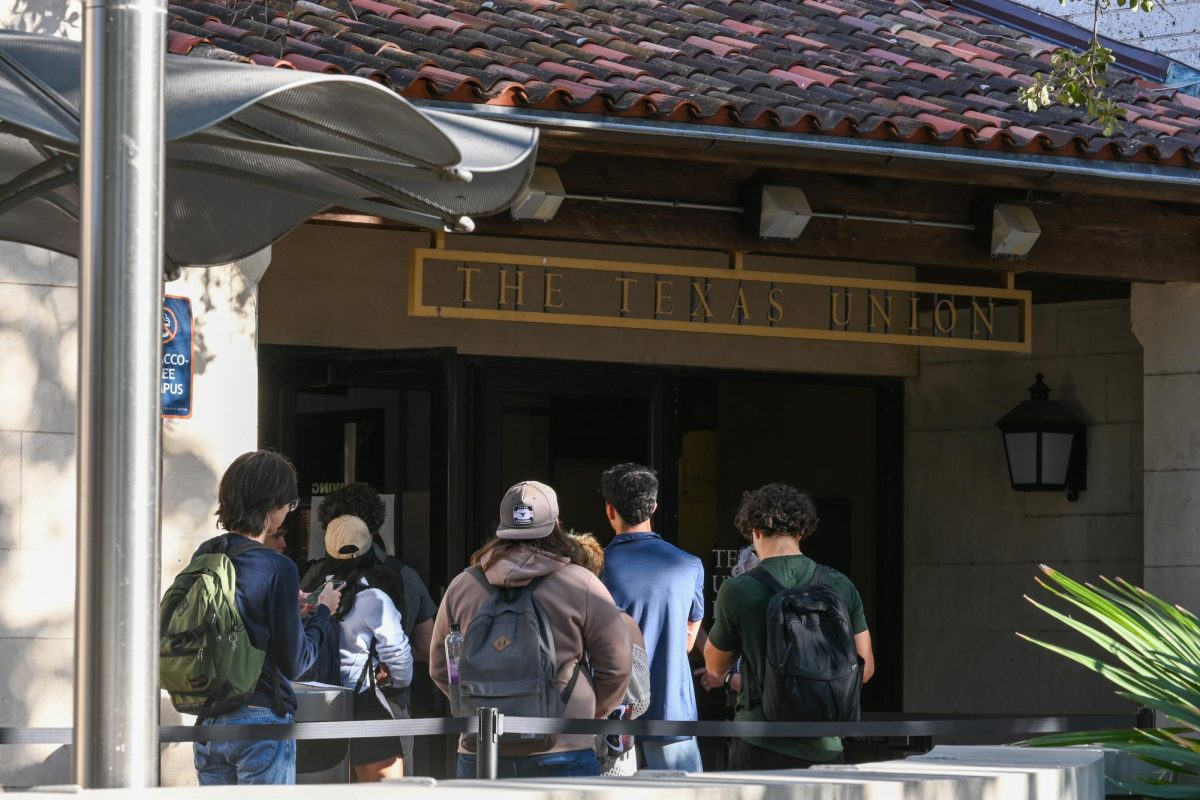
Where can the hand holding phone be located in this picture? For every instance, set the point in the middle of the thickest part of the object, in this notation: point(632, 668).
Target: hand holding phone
point(335, 585)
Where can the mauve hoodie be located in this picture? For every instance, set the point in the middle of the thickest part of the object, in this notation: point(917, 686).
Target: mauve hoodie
point(582, 615)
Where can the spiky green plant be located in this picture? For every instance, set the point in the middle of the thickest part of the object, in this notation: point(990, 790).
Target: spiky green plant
point(1156, 650)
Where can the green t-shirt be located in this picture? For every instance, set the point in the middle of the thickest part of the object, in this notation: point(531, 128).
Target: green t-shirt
point(741, 627)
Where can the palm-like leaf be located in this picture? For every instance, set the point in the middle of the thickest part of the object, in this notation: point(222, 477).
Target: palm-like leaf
point(1155, 650)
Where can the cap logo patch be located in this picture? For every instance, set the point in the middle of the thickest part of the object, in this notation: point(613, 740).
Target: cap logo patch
point(502, 643)
point(522, 515)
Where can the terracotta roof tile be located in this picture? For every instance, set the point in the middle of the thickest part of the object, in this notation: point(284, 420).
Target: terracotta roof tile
point(878, 69)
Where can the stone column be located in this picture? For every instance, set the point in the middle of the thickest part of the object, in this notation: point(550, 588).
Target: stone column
point(1166, 319)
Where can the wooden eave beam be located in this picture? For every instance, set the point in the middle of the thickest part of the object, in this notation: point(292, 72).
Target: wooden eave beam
point(1084, 234)
point(558, 146)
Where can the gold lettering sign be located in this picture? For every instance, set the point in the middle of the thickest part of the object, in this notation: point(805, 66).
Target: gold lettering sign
point(743, 302)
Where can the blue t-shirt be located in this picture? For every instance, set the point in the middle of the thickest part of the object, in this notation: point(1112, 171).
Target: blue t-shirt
point(662, 588)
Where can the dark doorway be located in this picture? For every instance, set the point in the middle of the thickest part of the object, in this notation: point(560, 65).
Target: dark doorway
point(387, 419)
point(563, 427)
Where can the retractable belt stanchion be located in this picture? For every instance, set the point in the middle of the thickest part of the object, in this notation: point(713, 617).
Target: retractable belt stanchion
point(1145, 717)
point(487, 762)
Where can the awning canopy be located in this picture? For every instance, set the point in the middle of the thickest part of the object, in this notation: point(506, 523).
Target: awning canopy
point(252, 152)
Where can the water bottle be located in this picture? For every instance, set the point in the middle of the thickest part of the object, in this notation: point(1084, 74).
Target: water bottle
point(454, 648)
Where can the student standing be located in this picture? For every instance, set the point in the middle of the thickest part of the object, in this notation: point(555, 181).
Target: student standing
point(531, 553)
point(662, 588)
point(373, 650)
point(776, 519)
point(405, 588)
point(257, 491)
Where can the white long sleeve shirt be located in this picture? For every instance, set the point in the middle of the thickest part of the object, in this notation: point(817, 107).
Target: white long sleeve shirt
point(374, 616)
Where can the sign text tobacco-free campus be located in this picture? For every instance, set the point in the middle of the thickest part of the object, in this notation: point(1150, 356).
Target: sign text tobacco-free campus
point(176, 368)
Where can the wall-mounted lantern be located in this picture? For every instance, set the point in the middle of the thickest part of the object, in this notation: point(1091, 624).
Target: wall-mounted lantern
point(1045, 444)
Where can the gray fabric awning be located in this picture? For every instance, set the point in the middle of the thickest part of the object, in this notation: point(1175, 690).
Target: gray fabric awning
point(252, 152)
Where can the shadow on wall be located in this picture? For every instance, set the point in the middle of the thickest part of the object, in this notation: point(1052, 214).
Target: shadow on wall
point(35, 689)
point(38, 362)
point(54, 17)
point(218, 289)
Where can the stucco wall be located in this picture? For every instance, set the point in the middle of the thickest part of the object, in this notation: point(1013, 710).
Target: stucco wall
point(38, 345)
point(38, 353)
point(53, 17)
point(973, 545)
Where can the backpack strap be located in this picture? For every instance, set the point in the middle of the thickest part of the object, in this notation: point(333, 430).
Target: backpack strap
point(239, 544)
point(570, 688)
point(396, 566)
point(761, 575)
point(477, 573)
point(368, 672)
point(767, 579)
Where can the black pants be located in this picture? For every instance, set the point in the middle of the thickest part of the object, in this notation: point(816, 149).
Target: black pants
point(745, 757)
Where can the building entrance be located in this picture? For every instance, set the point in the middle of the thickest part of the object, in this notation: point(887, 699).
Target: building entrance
point(442, 436)
point(564, 426)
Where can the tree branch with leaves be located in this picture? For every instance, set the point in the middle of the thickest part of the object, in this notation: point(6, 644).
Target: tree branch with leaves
point(1078, 79)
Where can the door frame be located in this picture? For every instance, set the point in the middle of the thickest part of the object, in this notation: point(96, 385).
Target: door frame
point(492, 377)
point(285, 370)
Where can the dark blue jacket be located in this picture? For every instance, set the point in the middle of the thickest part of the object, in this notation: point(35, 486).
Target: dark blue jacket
point(268, 588)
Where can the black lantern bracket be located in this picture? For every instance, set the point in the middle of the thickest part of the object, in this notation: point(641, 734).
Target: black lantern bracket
point(1045, 445)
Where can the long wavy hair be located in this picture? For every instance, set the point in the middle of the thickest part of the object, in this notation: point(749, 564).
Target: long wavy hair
point(556, 543)
point(351, 571)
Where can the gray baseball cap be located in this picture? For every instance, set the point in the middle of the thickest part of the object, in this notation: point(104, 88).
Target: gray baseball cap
point(528, 511)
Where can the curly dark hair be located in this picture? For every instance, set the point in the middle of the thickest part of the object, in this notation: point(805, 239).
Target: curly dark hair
point(632, 490)
point(252, 485)
point(358, 500)
point(776, 510)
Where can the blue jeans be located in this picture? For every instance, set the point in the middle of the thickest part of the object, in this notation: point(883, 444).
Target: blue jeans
point(568, 764)
point(682, 756)
point(232, 763)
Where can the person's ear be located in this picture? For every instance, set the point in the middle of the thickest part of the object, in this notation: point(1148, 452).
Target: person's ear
point(654, 509)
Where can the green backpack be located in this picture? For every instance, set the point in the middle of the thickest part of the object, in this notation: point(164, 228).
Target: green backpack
point(205, 659)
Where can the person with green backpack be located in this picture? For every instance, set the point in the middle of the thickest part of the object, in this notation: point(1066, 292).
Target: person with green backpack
point(231, 638)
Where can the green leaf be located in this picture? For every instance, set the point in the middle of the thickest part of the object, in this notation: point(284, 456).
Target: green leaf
point(1154, 646)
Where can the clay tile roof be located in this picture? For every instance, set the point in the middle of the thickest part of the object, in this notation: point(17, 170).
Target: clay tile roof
point(874, 69)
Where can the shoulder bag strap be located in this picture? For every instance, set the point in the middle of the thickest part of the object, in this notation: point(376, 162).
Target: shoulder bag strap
point(761, 575)
point(819, 576)
point(570, 687)
point(477, 573)
point(368, 671)
point(240, 545)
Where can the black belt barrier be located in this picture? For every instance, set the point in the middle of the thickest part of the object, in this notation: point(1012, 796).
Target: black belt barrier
point(872, 725)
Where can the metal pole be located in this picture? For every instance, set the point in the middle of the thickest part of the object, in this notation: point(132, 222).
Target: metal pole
point(487, 762)
point(119, 429)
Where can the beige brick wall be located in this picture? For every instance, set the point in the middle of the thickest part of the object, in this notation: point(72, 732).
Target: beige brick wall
point(973, 545)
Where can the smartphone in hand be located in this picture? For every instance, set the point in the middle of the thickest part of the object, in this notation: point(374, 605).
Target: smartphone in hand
point(316, 593)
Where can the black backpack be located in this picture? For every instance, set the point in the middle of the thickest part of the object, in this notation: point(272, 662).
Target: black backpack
point(813, 671)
